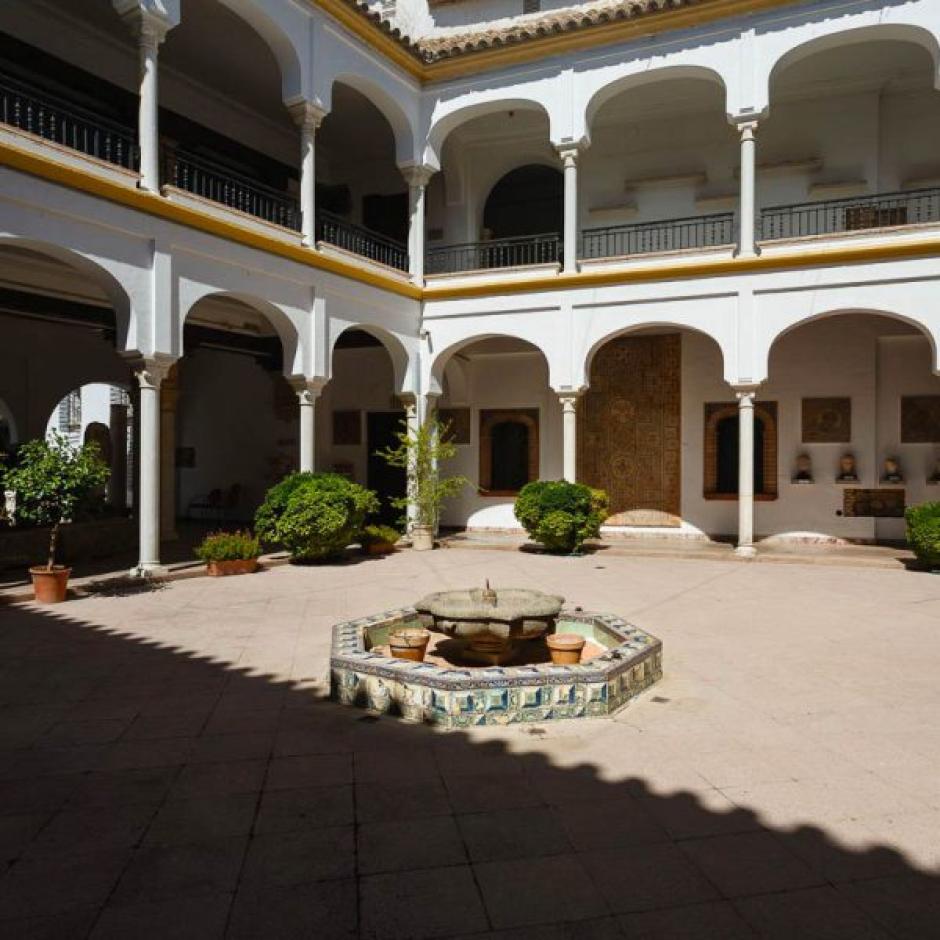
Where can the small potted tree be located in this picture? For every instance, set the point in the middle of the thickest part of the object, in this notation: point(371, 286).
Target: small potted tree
point(379, 539)
point(52, 480)
point(420, 452)
point(227, 553)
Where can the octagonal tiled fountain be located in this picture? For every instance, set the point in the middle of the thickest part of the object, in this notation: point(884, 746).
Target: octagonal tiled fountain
point(480, 687)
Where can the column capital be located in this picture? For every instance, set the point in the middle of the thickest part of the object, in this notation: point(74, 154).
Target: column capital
point(745, 394)
point(150, 371)
point(307, 390)
point(746, 125)
point(306, 114)
point(149, 21)
point(408, 401)
point(416, 174)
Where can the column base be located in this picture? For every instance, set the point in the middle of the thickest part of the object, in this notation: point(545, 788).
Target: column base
point(745, 551)
point(149, 569)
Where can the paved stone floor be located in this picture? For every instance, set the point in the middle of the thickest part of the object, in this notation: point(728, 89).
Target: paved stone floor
point(170, 768)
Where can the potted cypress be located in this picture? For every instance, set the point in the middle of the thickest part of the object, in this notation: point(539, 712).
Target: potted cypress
point(420, 452)
point(52, 480)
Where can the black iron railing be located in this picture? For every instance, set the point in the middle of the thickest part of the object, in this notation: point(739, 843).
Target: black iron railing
point(497, 253)
point(615, 241)
point(361, 241)
point(850, 215)
point(219, 184)
point(67, 124)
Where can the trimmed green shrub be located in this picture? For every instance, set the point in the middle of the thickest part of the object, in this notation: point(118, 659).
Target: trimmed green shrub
point(228, 546)
point(561, 515)
point(923, 532)
point(379, 535)
point(314, 515)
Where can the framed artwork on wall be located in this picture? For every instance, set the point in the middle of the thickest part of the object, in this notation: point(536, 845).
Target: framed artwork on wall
point(347, 428)
point(920, 419)
point(827, 420)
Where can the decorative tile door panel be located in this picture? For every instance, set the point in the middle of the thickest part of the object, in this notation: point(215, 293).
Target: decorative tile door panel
point(629, 432)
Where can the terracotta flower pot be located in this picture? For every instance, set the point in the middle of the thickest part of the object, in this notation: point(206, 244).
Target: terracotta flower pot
point(380, 548)
point(565, 648)
point(50, 585)
point(422, 538)
point(409, 643)
point(221, 569)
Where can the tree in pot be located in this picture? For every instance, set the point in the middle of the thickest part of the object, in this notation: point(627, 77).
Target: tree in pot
point(421, 451)
point(52, 480)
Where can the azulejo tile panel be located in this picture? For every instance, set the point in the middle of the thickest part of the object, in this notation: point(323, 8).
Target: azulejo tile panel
point(500, 695)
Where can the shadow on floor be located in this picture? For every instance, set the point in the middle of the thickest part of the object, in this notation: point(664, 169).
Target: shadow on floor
point(146, 792)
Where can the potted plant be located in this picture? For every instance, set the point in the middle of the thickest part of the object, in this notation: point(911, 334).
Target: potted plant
point(561, 515)
point(228, 553)
point(565, 648)
point(52, 480)
point(379, 539)
point(421, 452)
point(923, 533)
point(314, 515)
point(409, 643)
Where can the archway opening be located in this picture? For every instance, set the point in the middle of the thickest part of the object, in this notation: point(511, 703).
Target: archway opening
point(359, 414)
point(857, 396)
point(679, 189)
point(505, 421)
point(528, 200)
point(229, 426)
point(851, 139)
point(361, 194)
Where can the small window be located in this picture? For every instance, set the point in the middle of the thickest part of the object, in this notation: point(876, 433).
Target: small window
point(531, 6)
point(509, 451)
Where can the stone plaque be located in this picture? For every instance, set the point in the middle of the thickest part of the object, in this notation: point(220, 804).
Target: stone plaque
point(827, 420)
point(920, 419)
point(883, 503)
point(347, 428)
point(629, 429)
point(458, 421)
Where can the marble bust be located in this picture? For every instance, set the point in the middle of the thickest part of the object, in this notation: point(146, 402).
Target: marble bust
point(804, 469)
point(847, 470)
point(892, 472)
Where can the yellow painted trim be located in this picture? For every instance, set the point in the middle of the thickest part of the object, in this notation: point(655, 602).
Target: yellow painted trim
point(96, 185)
point(527, 50)
point(724, 266)
point(634, 273)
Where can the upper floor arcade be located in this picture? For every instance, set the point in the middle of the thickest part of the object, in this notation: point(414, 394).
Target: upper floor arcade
point(797, 123)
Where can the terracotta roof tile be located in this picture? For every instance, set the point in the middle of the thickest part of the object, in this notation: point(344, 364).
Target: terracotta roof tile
point(439, 46)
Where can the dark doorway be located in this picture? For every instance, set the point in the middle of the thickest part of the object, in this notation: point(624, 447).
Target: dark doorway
point(527, 201)
point(510, 456)
point(387, 215)
point(388, 482)
point(727, 434)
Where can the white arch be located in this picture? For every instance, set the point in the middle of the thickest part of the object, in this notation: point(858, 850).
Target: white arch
point(635, 80)
point(447, 119)
point(284, 30)
point(402, 127)
point(281, 322)
point(402, 363)
point(437, 365)
point(482, 188)
point(826, 37)
point(666, 325)
point(94, 268)
point(920, 325)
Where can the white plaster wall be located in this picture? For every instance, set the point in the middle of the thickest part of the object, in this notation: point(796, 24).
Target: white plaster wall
point(226, 412)
point(499, 381)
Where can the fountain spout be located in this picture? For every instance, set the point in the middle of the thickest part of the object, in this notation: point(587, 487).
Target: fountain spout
point(488, 595)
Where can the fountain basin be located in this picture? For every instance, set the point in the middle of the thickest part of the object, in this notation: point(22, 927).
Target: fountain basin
point(461, 697)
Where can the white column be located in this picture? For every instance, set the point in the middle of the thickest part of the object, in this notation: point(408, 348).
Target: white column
point(150, 375)
point(308, 117)
point(745, 545)
point(569, 419)
point(569, 157)
point(746, 241)
point(417, 178)
point(307, 394)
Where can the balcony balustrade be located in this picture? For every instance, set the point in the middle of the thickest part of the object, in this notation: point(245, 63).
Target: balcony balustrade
point(496, 253)
point(357, 240)
point(850, 215)
point(67, 124)
point(704, 231)
point(219, 184)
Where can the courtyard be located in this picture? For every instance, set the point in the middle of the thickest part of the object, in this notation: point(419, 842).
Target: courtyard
point(172, 765)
